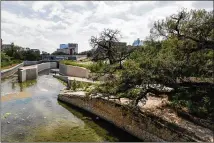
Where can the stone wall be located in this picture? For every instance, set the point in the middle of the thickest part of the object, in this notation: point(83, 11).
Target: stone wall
point(75, 71)
point(145, 127)
point(11, 71)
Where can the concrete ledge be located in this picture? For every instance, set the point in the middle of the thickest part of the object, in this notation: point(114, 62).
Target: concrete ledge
point(31, 72)
point(141, 125)
point(27, 73)
point(30, 63)
point(74, 71)
point(11, 71)
point(63, 78)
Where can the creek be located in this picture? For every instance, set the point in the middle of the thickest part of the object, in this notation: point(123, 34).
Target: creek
point(30, 112)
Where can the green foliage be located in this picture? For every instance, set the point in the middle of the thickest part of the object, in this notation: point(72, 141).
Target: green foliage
point(193, 29)
point(175, 61)
point(74, 85)
point(7, 62)
point(27, 83)
point(80, 85)
point(89, 53)
point(74, 63)
point(31, 55)
point(97, 66)
point(108, 48)
point(58, 53)
point(4, 57)
point(18, 53)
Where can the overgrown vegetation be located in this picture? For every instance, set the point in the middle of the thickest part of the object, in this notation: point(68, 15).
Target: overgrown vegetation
point(14, 55)
point(80, 85)
point(178, 49)
point(7, 62)
point(20, 53)
point(75, 63)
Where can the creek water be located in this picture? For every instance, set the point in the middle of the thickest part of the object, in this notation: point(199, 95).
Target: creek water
point(30, 112)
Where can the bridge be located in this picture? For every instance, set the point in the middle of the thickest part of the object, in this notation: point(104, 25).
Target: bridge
point(63, 57)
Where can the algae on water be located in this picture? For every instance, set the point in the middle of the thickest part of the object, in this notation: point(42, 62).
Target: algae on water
point(64, 132)
point(6, 115)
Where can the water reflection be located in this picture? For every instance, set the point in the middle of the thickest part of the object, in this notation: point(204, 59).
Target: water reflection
point(15, 96)
point(12, 86)
point(30, 112)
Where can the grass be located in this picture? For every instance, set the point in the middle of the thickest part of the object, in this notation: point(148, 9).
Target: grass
point(10, 64)
point(75, 63)
point(92, 66)
point(27, 83)
point(75, 85)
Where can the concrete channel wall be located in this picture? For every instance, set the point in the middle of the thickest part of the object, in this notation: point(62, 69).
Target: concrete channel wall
point(75, 71)
point(146, 127)
point(11, 71)
point(31, 72)
point(63, 78)
point(27, 73)
point(30, 63)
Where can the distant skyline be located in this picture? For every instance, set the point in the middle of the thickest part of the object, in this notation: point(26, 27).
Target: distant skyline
point(44, 25)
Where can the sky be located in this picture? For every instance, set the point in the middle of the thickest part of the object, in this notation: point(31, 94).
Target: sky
point(44, 25)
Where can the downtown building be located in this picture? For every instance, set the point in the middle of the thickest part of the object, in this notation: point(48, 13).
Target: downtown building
point(137, 42)
point(68, 49)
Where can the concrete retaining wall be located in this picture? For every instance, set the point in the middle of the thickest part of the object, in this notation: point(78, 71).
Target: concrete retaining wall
point(31, 72)
point(63, 78)
point(43, 66)
point(53, 65)
point(143, 126)
point(29, 63)
point(74, 71)
point(11, 71)
point(27, 73)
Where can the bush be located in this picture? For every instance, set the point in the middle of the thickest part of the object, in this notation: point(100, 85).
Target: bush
point(97, 66)
point(79, 85)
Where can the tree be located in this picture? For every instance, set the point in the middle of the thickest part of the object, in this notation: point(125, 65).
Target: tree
point(58, 53)
point(31, 55)
point(194, 29)
point(170, 66)
point(89, 53)
point(105, 45)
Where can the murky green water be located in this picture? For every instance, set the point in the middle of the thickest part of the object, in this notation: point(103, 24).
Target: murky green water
point(30, 112)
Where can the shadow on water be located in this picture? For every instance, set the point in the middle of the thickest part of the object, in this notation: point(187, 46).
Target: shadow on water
point(103, 128)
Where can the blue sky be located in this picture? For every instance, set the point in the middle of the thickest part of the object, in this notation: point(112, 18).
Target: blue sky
point(46, 24)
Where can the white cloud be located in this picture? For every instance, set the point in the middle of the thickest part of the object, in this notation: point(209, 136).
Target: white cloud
point(38, 6)
point(46, 24)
